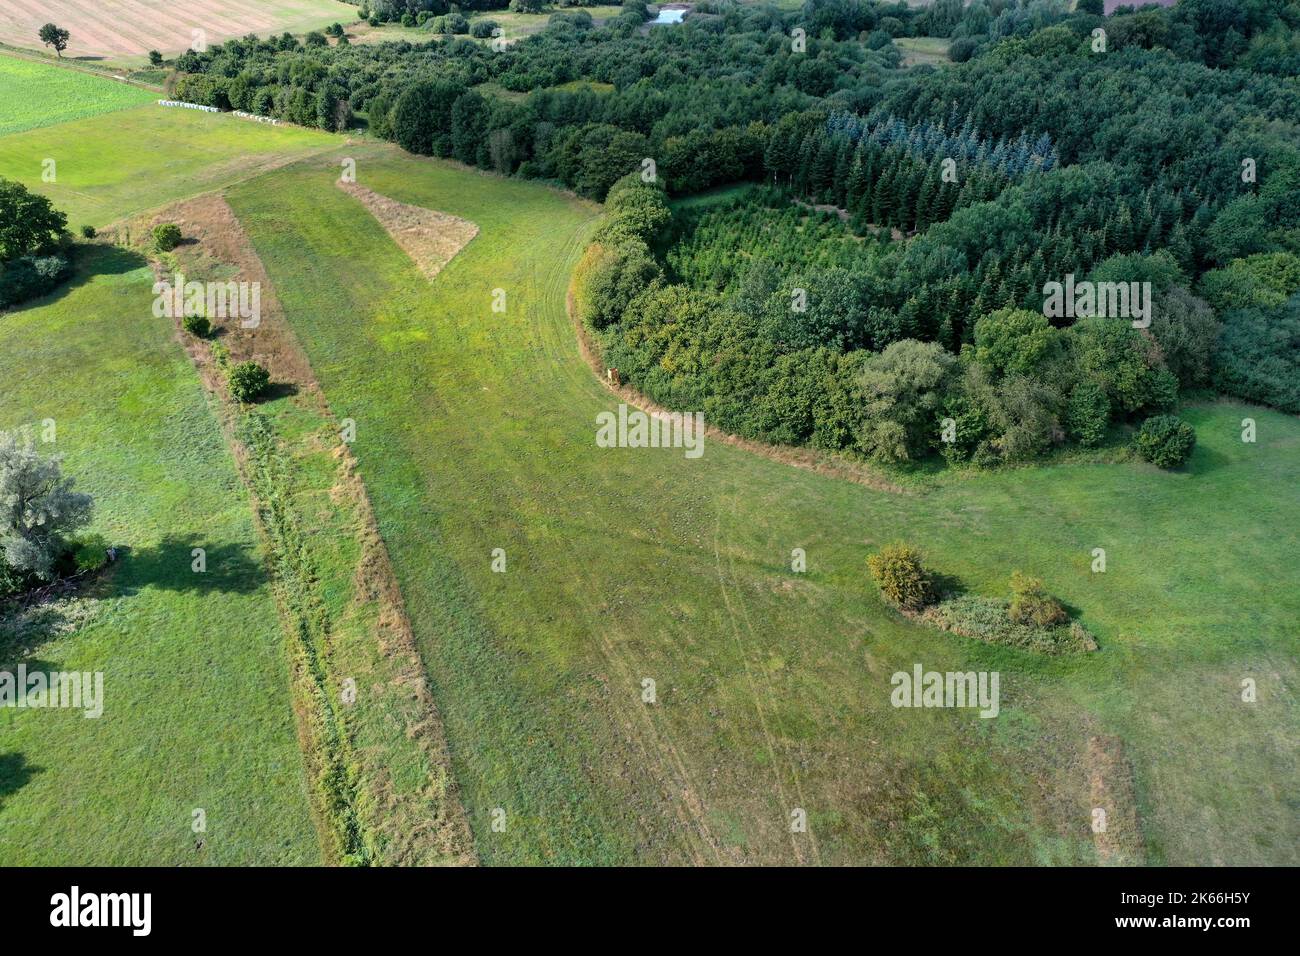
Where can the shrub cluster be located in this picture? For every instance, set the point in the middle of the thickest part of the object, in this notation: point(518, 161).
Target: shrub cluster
point(902, 577)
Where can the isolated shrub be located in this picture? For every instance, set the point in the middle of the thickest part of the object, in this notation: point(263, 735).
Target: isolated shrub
point(88, 231)
point(90, 553)
point(248, 380)
point(482, 29)
point(155, 58)
point(1031, 604)
point(197, 325)
point(166, 236)
point(901, 576)
point(1166, 441)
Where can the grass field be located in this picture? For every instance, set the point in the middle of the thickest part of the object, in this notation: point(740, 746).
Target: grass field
point(111, 166)
point(476, 431)
point(197, 712)
point(126, 30)
point(33, 95)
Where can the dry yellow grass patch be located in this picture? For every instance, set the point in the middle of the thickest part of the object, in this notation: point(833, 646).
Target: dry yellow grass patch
point(429, 237)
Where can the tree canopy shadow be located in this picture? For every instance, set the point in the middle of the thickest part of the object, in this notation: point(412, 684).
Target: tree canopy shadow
point(228, 567)
point(15, 773)
point(88, 261)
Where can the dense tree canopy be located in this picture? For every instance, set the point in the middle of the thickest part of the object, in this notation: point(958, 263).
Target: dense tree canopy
point(899, 206)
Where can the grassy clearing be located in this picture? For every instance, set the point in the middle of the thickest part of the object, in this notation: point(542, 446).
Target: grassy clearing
point(476, 431)
point(33, 95)
point(112, 166)
point(931, 51)
point(197, 711)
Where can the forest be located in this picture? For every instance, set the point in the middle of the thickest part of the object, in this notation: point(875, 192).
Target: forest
point(903, 317)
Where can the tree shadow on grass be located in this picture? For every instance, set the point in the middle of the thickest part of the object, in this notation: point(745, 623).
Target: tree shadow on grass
point(88, 261)
point(171, 565)
point(15, 773)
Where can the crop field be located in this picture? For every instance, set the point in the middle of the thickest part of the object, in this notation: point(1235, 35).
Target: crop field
point(129, 29)
point(475, 432)
point(108, 167)
point(34, 95)
point(196, 709)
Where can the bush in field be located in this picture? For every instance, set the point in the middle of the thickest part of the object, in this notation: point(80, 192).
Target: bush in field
point(88, 231)
point(37, 506)
point(482, 29)
point(1031, 604)
point(90, 553)
point(248, 380)
point(166, 236)
point(197, 325)
point(1166, 441)
point(902, 578)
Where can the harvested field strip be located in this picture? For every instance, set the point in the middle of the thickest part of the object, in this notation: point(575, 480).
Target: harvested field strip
point(429, 237)
point(131, 28)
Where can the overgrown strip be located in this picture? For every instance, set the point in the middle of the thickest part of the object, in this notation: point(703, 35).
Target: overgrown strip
point(373, 738)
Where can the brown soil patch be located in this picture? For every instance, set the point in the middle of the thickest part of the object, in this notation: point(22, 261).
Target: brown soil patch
point(429, 237)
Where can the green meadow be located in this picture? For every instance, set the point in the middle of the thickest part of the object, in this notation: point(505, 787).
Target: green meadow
point(34, 95)
point(111, 166)
point(626, 570)
point(196, 713)
point(475, 432)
